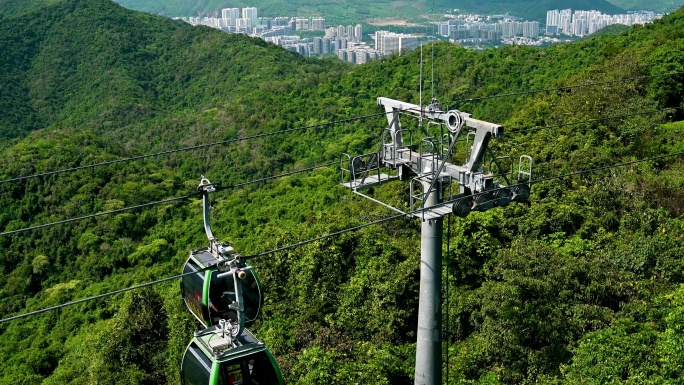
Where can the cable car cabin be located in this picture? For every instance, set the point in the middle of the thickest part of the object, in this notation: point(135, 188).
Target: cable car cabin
point(208, 297)
point(208, 361)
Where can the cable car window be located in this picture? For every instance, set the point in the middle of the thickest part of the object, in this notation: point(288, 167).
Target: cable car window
point(232, 373)
point(251, 370)
point(221, 295)
point(193, 289)
point(262, 371)
point(196, 368)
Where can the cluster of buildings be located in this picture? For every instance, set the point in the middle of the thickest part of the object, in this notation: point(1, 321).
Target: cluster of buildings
point(346, 41)
point(483, 29)
point(245, 20)
point(351, 32)
point(348, 46)
point(343, 41)
point(581, 23)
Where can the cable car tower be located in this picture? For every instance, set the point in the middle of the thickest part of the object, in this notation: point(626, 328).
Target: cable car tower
point(432, 171)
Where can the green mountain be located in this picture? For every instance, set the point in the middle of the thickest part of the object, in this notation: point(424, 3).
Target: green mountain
point(585, 282)
point(124, 58)
point(13, 7)
point(355, 11)
point(655, 6)
point(532, 10)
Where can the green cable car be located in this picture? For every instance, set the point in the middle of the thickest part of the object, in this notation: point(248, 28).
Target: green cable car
point(216, 284)
point(213, 359)
point(211, 295)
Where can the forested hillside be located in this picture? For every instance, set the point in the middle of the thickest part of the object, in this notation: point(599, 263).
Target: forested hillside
point(655, 5)
point(582, 285)
point(12, 7)
point(356, 11)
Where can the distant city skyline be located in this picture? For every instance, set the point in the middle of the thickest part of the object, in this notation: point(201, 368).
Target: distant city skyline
point(582, 23)
point(343, 41)
point(346, 42)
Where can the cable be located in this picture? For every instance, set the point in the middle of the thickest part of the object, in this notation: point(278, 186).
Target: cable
point(340, 232)
point(330, 235)
point(513, 131)
point(291, 172)
point(309, 169)
point(169, 200)
point(196, 147)
point(276, 176)
point(594, 120)
point(190, 148)
point(565, 88)
point(432, 78)
point(616, 165)
point(96, 297)
point(418, 211)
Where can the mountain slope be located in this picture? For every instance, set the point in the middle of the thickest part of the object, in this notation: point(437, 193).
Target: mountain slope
point(354, 11)
point(118, 68)
point(533, 10)
point(11, 7)
point(655, 6)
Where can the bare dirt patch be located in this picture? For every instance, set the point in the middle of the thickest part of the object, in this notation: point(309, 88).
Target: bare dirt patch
point(387, 22)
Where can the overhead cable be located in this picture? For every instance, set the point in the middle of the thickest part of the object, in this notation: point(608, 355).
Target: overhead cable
point(116, 211)
point(190, 148)
point(621, 116)
point(169, 200)
point(312, 168)
point(326, 165)
point(95, 297)
point(339, 232)
point(206, 145)
point(418, 211)
point(564, 88)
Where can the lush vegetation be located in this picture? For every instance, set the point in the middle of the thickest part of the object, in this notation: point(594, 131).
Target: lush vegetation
point(11, 7)
point(582, 285)
point(355, 11)
point(656, 5)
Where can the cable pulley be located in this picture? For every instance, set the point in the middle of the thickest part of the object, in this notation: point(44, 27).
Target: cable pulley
point(454, 121)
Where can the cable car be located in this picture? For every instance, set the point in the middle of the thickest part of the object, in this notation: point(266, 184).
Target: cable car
point(223, 287)
point(210, 295)
point(212, 359)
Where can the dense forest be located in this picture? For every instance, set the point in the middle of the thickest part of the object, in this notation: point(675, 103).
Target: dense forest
point(583, 285)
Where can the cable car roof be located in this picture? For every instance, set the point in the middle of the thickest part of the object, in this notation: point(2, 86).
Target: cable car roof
point(204, 258)
point(247, 344)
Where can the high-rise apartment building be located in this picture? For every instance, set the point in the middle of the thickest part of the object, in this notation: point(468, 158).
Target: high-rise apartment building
point(581, 23)
point(530, 29)
point(230, 15)
point(358, 33)
point(317, 24)
point(326, 46)
point(302, 24)
point(318, 45)
point(387, 42)
point(249, 14)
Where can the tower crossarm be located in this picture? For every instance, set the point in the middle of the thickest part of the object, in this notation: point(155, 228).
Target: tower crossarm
point(435, 113)
point(453, 120)
point(430, 162)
